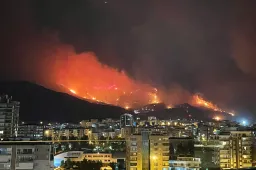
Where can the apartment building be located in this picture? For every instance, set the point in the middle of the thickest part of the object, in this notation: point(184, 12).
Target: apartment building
point(9, 117)
point(31, 131)
point(26, 156)
point(235, 150)
point(78, 156)
point(147, 151)
point(126, 120)
point(66, 133)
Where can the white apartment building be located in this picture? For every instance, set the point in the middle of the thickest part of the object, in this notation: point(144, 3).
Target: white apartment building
point(78, 156)
point(25, 156)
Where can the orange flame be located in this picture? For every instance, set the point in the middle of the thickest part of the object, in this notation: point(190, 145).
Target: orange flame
point(84, 76)
point(199, 101)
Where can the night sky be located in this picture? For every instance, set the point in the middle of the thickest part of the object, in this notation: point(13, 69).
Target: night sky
point(201, 46)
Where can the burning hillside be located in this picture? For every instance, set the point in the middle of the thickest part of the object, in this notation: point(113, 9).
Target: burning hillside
point(84, 76)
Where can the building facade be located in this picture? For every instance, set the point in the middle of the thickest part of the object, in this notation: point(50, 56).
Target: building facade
point(78, 156)
point(64, 133)
point(181, 147)
point(126, 120)
point(184, 163)
point(236, 150)
point(26, 156)
point(147, 151)
point(9, 117)
point(31, 131)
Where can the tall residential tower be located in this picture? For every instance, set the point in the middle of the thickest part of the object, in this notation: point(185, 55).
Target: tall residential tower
point(147, 151)
point(9, 117)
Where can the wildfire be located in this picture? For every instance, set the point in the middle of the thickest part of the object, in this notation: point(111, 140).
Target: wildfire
point(199, 101)
point(84, 76)
point(72, 91)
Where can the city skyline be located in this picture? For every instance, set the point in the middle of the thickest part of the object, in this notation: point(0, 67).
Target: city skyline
point(127, 84)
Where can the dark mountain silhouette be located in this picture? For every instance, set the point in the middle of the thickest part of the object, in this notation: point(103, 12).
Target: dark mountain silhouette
point(182, 111)
point(41, 104)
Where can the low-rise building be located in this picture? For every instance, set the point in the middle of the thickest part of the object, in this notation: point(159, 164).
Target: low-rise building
point(66, 133)
point(78, 156)
point(31, 131)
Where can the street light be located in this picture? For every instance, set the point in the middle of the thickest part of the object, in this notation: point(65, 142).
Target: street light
point(154, 157)
point(153, 161)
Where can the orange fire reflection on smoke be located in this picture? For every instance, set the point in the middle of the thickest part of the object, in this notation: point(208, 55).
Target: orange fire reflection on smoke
point(84, 76)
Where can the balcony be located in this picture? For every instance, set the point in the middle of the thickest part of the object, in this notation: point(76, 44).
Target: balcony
point(133, 161)
point(25, 153)
point(5, 160)
point(25, 165)
point(5, 165)
point(25, 160)
point(246, 154)
point(165, 159)
point(225, 149)
point(247, 165)
point(247, 143)
point(5, 153)
point(224, 160)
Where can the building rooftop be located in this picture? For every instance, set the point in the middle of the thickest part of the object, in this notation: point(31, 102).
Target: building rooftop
point(25, 143)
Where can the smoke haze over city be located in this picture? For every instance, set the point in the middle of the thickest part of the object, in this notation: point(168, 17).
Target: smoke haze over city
point(165, 51)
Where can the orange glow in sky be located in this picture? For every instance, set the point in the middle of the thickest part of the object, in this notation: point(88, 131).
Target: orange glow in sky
point(97, 82)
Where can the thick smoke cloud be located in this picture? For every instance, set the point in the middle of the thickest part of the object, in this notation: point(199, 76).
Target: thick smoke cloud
point(243, 38)
point(202, 46)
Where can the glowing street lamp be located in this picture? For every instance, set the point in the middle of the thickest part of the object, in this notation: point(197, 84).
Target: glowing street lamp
point(244, 122)
point(154, 157)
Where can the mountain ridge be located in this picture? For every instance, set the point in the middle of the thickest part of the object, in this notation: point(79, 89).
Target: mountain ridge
point(39, 103)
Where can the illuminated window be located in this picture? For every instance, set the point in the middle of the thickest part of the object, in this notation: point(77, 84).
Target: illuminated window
point(133, 164)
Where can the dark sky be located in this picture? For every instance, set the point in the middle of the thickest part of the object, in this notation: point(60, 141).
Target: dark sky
point(204, 46)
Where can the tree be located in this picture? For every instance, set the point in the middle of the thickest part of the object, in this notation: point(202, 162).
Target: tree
point(118, 144)
point(102, 140)
point(84, 144)
point(62, 164)
point(89, 165)
point(47, 138)
point(68, 164)
point(63, 138)
point(113, 165)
